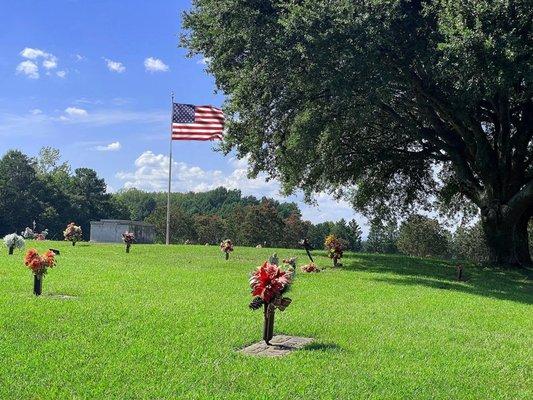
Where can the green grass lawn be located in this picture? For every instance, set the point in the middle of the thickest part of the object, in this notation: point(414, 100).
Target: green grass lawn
point(165, 323)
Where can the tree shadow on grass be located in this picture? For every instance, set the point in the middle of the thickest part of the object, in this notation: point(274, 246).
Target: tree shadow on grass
point(514, 285)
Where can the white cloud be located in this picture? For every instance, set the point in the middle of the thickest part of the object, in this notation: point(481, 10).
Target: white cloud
point(33, 54)
point(50, 63)
point(61, 74)
point(151, 173)
point(34, 123)
point(152, 125)
point(84, 100)
point(115, 66)
point(152, 64)
point(28, 68)
point(79, 57)
point(155, 120)
point(36, 111)
point(115, 146)
point(76, 112)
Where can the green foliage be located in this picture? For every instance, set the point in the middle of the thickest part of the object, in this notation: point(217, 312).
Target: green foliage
point(22, 195)
point(209, 228)
point(44, 190)
point(350, 233)
point(317, 233)
point(295, 230)
point(421, 236)
point(182, 227)
point(382, 237)
point(222, 213)
point(368, 98)
point(261, 224)
point(469, 244)
point(88, 198)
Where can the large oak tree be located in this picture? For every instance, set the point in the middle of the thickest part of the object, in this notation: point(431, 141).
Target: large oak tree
point(405, 102)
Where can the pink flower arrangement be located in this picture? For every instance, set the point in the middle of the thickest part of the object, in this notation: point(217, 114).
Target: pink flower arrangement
point(128, 237)
point(73, 233)
point(226, 247)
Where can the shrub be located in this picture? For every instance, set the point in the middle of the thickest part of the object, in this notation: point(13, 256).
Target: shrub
point(421, 236)
point(469, 244)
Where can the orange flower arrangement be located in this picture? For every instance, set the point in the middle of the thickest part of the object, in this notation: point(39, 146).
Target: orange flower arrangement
point(39, 263)
point(311, 267)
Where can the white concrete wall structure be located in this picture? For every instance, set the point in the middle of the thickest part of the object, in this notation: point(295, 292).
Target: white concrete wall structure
point(111, 230)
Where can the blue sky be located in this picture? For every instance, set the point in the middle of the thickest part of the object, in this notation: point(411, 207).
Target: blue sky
point(93, 78)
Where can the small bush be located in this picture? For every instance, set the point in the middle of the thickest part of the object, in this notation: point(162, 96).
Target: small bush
point(421, 236)
point(469, 244)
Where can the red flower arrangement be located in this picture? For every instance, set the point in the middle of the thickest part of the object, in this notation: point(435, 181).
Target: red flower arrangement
point(311, 267)
point(226, 247)
point(128, 238)
point(39, 263)
point(269, 281)
point(334, 248)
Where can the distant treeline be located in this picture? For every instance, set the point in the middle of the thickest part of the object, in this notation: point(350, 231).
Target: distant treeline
point(210, 217)
point(47, 191)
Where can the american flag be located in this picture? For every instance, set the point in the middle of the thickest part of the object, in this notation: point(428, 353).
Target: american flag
point(191, 122)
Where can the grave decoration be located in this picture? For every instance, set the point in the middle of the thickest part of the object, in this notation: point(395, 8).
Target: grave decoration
point(39, 265)
point(29, 233)
point(128, 238)
point(226, 247)
point(307, 246)
point(73, 233)
point(42, 235)
point(269, 284)
point(311, 267)
point(291, 262)
point(13, 241)
point(334, 248)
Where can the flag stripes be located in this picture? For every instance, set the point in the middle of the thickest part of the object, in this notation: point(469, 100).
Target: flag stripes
point(191, 122)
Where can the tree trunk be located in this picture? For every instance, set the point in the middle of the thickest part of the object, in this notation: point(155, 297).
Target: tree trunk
point(507, 241)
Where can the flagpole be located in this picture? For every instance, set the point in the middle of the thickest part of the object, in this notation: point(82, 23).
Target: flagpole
point(169, 171)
